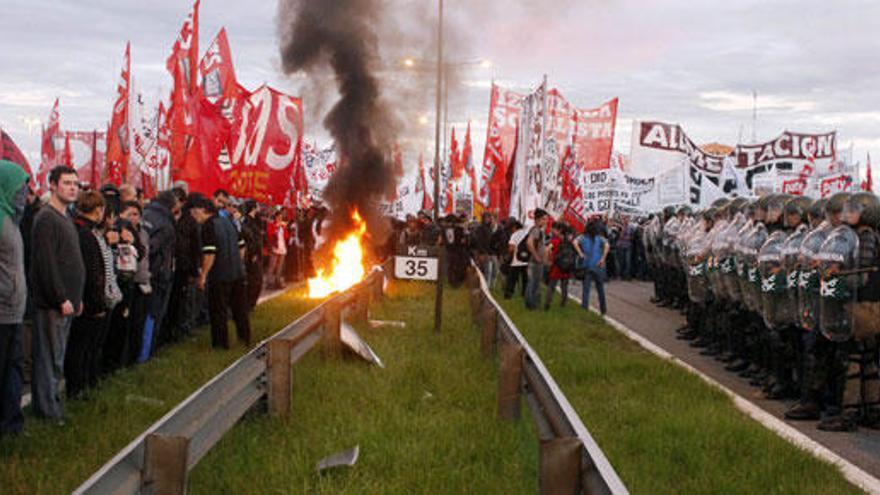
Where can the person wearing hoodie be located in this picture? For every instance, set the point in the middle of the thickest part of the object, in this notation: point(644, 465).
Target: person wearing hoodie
point(158, 221)
point(13, 295)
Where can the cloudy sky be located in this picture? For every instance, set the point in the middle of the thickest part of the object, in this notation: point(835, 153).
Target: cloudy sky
point(812, 63)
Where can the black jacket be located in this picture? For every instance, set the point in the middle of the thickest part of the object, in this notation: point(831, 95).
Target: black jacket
point(188, 248)
point(93, 260)
point(57, 273)
point(159, 223)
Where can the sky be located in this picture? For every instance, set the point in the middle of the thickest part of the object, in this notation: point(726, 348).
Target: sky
point(811, 63)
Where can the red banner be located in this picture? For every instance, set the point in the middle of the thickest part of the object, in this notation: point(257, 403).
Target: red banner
point(504, 111)
point(594, 135)
point(183, 66)
point(118, 133)
point(266, 146)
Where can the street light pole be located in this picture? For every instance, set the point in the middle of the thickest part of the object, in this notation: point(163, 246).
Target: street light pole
point(438, 301)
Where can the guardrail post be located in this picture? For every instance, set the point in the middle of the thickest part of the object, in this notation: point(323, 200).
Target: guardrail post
point(278, 377)
point(510, 381)
point(376, 289)
point(488, 328)
point(164, 465)
point(560, 466)
point(332, 329)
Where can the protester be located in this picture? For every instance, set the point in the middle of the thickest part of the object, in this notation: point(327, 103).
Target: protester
point(536, 243)
point(58, 280)
point(623, 249)
point(563, 258)
point(252, 233)
point(518, 256)
point(481, 243)
point(593, 250)
point(159, 222)
point(183, 307)
point(13, 295)
point(101, 293)
point(223, 274)
point(278, 239)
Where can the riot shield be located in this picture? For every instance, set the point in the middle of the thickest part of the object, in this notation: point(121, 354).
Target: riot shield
point(696, 258)
point(728, 262)
point(716, 281)
point(771, 267)
point(809, 277)
point(751, 284)
point(791, 265)
point(838, 265)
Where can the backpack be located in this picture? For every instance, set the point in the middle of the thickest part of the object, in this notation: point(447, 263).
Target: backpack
point(566, 257)
point(522, 250)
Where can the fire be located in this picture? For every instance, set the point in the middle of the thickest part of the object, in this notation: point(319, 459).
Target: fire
point(347, 266)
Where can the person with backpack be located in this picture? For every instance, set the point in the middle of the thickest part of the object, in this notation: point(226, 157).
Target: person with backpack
point(593, 250)
point(519, 260)
point(563, 260)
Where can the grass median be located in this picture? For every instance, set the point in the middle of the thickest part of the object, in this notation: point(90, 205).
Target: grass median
point(51, 459)
point(662, 428)
point(426, 423)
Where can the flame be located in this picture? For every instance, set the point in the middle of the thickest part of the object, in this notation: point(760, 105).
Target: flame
point(347, 266)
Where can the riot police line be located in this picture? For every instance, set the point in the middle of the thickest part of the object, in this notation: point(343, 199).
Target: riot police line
point(785, 291)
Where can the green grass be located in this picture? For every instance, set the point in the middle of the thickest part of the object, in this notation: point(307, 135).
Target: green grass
point(49, 459)
point(425, 424)
point(662, 428)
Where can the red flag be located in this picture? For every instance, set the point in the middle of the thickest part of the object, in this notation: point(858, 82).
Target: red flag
point(398, 171)
point(594, 135)
point(504, 204)
point(200, 167)
point(427, 203)
point(10, 152)
point(468, 162)
point(216, 68)
point(183, 66)
point(869, 182)
point(455, 157)
point(184, 56)
point(48, 154)
point(118, 133)
point(66, 155)
point(505, 108)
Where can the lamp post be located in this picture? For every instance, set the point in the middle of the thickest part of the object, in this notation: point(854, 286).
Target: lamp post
point(438, 300)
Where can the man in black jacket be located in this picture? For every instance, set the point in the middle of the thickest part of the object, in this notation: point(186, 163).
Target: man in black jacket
point(252, 233)
point(183, 307)
point(159, 222)
point(223, 274)
point(58, 278)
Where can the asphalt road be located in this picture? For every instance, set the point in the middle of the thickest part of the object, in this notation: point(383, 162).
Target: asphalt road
point(629, 303)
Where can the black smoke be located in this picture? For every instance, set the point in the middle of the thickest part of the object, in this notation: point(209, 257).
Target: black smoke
point(343, 34)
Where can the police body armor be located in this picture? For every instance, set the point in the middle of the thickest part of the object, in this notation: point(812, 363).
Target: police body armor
point(809, 276)
point(838, 292)
point(774, 281)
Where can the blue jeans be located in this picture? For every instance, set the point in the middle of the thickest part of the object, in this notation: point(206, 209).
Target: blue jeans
point(594, 275)
point(533, 286)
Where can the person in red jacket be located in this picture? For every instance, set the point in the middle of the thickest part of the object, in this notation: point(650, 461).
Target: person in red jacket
point(563, 258)
point(277, 250)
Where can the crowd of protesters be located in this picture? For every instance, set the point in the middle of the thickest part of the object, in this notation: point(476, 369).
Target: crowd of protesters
point(94, 280)
point(545, 255)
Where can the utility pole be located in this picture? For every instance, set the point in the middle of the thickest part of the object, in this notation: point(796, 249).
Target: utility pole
point(438, 300)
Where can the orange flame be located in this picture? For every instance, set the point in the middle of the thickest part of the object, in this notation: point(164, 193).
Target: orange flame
point(347, 266)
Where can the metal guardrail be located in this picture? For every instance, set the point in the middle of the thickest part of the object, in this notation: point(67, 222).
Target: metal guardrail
point(570, 460)
point(159, 460)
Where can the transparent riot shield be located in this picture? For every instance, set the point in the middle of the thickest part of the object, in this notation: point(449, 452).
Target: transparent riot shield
point(809, 277)
point(838, 292)
point(771, 267)
point(791, 265)
point(751, 286)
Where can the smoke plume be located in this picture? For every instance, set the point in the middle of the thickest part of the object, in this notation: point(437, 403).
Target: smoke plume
point(342, 34)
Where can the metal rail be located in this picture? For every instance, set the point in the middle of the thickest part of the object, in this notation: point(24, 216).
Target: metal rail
point(571, 460)
point(201, 420)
